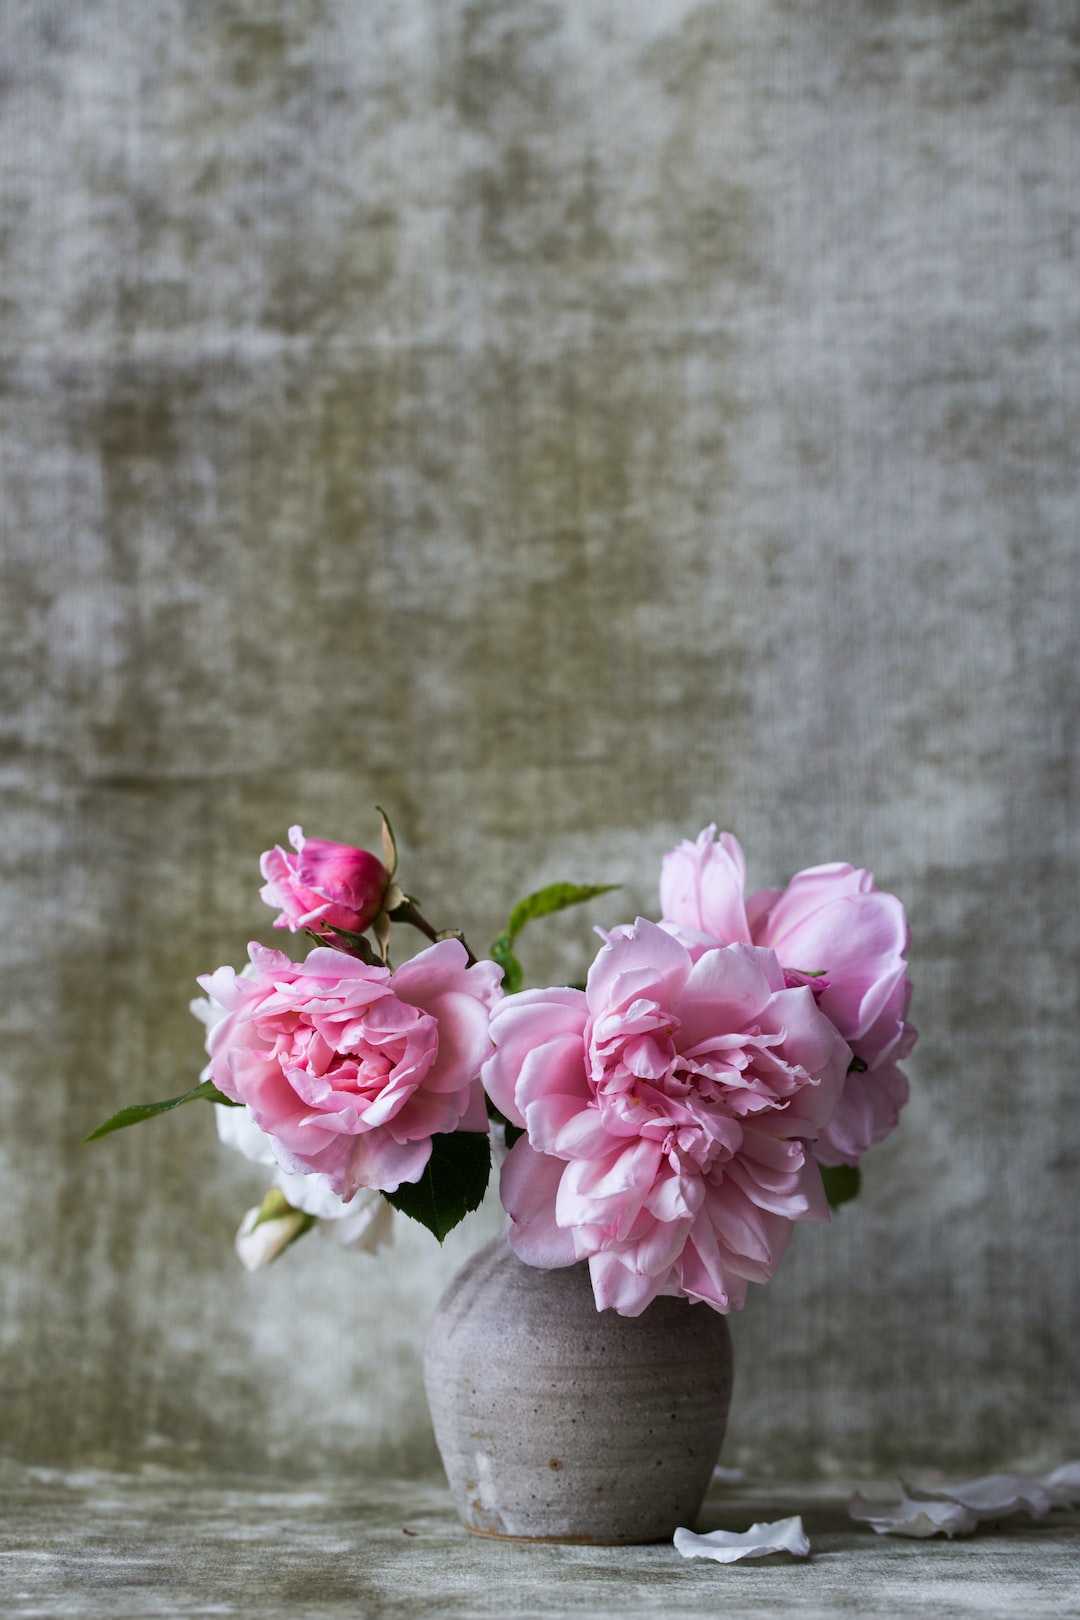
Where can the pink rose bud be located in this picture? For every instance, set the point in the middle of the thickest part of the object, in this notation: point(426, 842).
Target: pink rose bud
point(323, 884)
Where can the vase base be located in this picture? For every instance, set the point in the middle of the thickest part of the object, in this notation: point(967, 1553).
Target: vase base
point(571, 1541)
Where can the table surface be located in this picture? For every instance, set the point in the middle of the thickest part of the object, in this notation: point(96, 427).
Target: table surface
point(101, 1544)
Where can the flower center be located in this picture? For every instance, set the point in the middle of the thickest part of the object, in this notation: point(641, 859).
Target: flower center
point(690, 1099)
point(360, 1054)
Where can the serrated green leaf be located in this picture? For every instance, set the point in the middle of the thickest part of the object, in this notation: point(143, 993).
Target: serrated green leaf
point(206, 1092)
point(554, 897)
point(841, 1182)
point(513, 975)
point(454, 1181)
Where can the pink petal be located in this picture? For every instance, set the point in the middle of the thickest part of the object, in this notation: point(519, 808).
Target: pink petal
point(598, 1192)
point(474, 1116)
point(528, 1187)
point(463, 1041)
point(702, 1273)
point(701, 886)
point(868, 1110)
point(547, 1118)
point(725, 990)
point(555, 1069)
point(638, 961)
point(812, 888)
point(617, 1287)
point(378, 1161)
point(520, 1025)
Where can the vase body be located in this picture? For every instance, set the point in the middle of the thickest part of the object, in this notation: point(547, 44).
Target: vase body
point(559, 1422)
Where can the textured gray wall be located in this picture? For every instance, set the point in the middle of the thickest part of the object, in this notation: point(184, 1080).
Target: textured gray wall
point(564, 422)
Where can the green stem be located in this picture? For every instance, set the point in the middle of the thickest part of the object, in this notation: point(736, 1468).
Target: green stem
point(409, 912)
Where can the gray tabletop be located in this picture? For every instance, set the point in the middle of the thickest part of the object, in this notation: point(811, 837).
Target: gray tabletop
point(95, 1543)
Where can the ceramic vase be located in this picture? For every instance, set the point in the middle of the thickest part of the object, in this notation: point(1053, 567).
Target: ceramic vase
point(559, 1422)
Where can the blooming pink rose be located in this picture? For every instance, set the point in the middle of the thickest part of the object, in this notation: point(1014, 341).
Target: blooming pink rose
point(829, 920)
point(668, 1108)
point(350, 1069)
point(323, 884)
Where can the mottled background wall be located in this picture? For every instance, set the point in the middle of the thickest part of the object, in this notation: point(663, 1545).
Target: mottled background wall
point(564, 422)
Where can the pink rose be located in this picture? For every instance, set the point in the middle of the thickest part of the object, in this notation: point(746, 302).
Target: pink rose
point(350, 1069)
point(668, 1108)
point(829, 920)
point(323, 884)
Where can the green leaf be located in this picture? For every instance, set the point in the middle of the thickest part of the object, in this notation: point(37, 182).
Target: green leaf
point(207, 1092)
point(842, 1183)
point(513, 975)
point(454, 1181)
point(555, 897)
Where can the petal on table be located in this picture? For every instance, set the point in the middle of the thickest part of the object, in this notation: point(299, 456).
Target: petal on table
point(728, 1547)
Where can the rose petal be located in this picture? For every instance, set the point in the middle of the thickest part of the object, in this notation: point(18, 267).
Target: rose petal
point(237, 1129)
point(1064, 1485)
point(909, 1518)
point(529, 1187)
point(761, 1540)
point(701, 885)
point(366, 1228)
point(522, 1025)
point(618, 1286)
point(992, 1496)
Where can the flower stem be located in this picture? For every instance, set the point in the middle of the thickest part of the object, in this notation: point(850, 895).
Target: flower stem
point(409, 912)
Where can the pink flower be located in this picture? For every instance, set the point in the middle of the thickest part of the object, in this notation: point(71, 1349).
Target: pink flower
point(350, 1069)
point(323, 884)
point(829, 920)
point(668, 1108)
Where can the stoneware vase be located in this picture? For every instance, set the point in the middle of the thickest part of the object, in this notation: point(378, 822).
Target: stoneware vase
point(559, 1422)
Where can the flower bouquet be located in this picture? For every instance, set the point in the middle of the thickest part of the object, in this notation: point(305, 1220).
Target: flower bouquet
point(662, 1127)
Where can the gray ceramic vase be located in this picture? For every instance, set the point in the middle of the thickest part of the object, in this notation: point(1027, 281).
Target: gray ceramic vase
point(559, 1422)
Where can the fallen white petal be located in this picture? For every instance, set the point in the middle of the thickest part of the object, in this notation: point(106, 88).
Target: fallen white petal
point(727, 1547)
point(992, 1496)
point(1063, 1485)
point(913, 1518)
